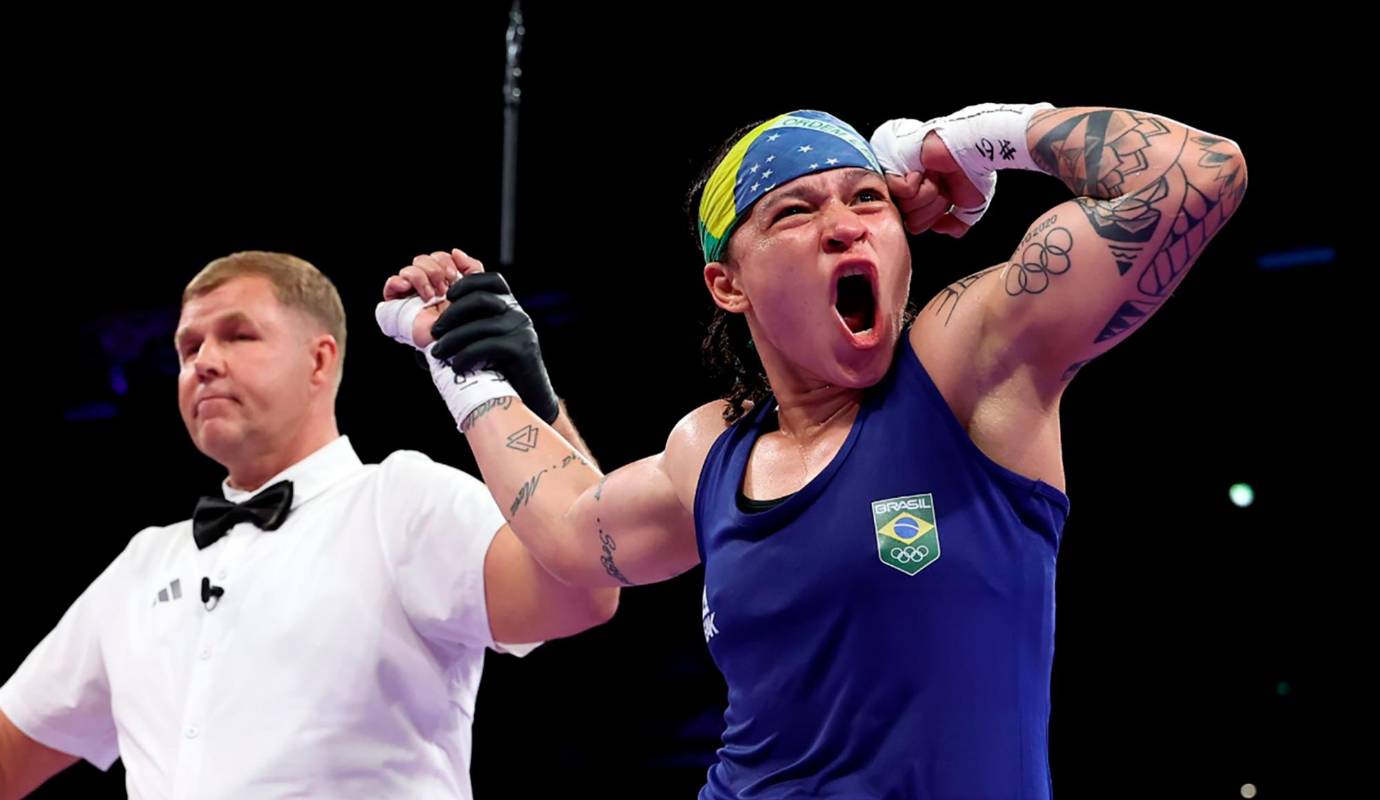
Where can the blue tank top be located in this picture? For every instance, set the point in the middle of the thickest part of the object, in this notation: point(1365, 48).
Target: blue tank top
point(888, 630)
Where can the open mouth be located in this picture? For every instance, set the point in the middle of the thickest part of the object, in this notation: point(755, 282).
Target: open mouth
point(857, 302)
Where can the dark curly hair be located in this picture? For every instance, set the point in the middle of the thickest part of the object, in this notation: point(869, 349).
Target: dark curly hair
point(728, 351)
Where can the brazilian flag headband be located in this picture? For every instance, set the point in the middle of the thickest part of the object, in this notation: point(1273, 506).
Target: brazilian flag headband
point(777, 151)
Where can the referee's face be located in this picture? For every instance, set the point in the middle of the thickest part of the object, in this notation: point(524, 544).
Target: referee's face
point(247, 381)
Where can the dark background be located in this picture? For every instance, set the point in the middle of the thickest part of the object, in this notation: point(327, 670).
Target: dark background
point(1193, 635)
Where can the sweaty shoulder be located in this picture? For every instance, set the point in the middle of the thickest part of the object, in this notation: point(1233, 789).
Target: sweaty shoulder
point(688, 446)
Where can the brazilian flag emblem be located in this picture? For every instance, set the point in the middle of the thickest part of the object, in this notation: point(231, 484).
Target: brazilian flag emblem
point(907, 535)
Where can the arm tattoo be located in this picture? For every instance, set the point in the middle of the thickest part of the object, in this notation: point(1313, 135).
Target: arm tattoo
point(1127, 222)
point(951, 294)
point(525, 494)
point(1199, 212)
point(1094, 152)
point(573, 458)
point(1073, 370)
point(1128, 316)
point(484, 408)
point(1161, 226)
point(1039, 261)
point(523, 440)
point(1197, 204)
point(609, 545)
point(1039, 229)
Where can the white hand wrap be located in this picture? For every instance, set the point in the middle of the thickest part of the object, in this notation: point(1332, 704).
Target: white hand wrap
point(462, 393)
point(982, 139)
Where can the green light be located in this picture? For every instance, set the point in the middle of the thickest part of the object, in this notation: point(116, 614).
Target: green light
point(1242, 494)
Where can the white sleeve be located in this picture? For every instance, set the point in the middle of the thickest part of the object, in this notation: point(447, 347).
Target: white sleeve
point(437, 523)
point(60, 695)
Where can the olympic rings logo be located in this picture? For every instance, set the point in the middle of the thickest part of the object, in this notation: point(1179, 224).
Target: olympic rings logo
point(1038, 262)
point(907, 555)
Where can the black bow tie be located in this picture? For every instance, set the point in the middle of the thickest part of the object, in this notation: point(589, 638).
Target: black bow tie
point(215, 515)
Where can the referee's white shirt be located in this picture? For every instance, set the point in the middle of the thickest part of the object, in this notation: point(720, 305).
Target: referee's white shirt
point(342, 660)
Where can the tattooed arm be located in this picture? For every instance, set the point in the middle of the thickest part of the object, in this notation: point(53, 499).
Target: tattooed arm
point(1003, 343)
point(1150, 193)
point(633, 526)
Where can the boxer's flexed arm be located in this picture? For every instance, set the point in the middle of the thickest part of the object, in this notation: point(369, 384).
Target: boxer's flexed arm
point(634, 525)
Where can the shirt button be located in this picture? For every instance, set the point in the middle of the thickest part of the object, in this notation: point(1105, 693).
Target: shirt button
point(206, 654)
point(192, 733)
point(220, 576)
